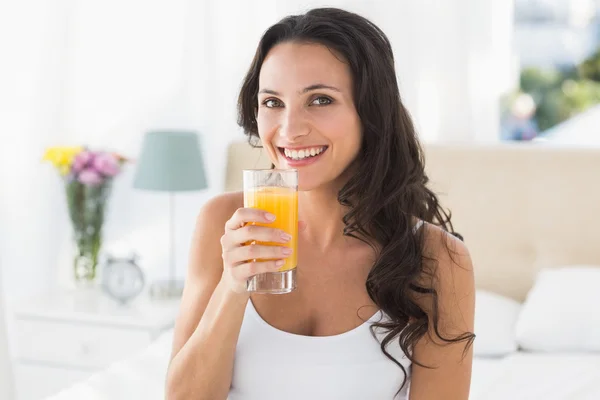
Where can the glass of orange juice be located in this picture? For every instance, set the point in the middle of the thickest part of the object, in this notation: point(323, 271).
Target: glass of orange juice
point(275, 191)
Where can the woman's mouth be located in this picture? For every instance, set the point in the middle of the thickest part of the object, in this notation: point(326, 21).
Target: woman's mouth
point(302, 156)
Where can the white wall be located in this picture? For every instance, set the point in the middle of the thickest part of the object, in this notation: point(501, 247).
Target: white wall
point(101, 73)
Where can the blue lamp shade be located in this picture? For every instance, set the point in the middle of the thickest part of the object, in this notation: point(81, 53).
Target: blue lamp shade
point(170, 161)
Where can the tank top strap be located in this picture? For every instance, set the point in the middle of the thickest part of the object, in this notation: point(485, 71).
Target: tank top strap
point(417, 226)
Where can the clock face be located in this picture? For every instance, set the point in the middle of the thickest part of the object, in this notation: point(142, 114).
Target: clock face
point(122, 279)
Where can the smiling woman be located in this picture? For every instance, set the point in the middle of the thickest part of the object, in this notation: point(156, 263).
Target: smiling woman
point(385, 297)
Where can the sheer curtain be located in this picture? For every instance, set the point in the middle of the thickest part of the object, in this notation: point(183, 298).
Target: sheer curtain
point(32, 47)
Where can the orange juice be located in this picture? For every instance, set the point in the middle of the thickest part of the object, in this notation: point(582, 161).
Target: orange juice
point(283, 203)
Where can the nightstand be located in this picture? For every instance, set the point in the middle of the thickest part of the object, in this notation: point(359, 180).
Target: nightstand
point(64, 337)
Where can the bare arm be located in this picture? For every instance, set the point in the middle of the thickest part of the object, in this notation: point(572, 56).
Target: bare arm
point(214, 298)
point(450, 377)
point(195, 371)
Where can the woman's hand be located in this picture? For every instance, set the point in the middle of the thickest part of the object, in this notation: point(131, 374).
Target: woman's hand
point(241, 260)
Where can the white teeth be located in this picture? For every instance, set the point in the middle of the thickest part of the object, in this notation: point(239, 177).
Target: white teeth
point(304, 153)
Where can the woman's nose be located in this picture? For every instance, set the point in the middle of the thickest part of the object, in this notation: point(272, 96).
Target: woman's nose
point(294, 126)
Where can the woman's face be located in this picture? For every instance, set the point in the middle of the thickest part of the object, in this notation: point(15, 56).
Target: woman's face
point(306, 115)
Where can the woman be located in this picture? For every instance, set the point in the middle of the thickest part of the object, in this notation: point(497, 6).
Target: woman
point(376, 253)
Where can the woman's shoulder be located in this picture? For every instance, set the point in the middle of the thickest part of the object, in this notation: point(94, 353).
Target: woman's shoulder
point(438, 241)
point(446, 259)
point(209, 227)
point(214, 213)
point(226, 200)
point(221, 207)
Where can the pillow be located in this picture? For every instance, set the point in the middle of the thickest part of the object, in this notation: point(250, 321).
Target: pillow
point(495, 319)
point(562, 311)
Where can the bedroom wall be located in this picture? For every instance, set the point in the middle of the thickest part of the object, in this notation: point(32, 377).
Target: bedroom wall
point(101, 73)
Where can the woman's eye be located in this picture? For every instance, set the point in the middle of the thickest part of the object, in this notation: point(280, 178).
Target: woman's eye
point(271, 103)
point(321, 101)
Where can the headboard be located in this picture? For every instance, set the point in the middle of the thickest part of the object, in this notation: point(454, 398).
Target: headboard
point(520, 207)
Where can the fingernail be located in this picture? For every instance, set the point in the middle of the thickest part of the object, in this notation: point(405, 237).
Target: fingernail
point(269, 216)
point(285, 236)
point(286, 250)
point(279, 263)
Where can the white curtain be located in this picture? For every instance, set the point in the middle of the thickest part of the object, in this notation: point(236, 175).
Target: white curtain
point(32, 72)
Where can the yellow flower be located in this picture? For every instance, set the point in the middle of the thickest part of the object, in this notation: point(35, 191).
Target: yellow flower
point(62, 157)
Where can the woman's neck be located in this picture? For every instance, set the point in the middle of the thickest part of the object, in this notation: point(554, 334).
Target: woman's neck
point(322, 213)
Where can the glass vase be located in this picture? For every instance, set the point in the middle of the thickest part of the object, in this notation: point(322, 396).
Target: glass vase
point(87, 206)
point(84, 266)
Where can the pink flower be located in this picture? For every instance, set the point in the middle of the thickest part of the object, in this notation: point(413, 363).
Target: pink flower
point(81, 161)
point(106, 164)
point(90, 177)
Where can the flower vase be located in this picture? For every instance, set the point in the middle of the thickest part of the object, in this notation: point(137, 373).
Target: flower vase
point(87, 205)
point(87, 176)
point(84, 267)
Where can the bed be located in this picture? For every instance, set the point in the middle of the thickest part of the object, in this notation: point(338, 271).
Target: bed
point(528, 214)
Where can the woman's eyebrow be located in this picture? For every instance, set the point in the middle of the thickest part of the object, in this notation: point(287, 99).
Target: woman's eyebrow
point(318, 86)
point(307, 89)
point(270, 91)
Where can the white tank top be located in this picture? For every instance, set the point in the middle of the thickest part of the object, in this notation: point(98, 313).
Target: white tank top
point(271, 364)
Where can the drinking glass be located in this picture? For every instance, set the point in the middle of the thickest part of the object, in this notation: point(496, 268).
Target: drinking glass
point(275, 191)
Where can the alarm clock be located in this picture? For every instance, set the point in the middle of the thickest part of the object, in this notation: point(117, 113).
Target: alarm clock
point(122, 278)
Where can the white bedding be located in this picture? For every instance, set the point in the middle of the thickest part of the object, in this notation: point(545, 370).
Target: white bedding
point(520, 376)
point(139, 377)
point(539, 376)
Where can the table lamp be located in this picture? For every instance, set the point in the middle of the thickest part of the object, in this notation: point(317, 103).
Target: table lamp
point(170, 161)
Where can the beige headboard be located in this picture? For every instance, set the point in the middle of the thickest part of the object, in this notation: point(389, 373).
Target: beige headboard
point(520, 207)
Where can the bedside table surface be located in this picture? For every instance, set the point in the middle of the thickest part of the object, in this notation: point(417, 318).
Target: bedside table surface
point(93, 306)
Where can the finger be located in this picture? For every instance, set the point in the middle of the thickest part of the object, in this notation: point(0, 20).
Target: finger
point(227, 242)
point(249, 269)
point(256, 251)
point(259, 233)
point(244, 215)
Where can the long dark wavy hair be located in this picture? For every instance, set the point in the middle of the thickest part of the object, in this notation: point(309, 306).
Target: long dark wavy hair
point(389, 188)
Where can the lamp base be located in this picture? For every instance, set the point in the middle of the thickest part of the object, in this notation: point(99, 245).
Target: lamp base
point(166, 289)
